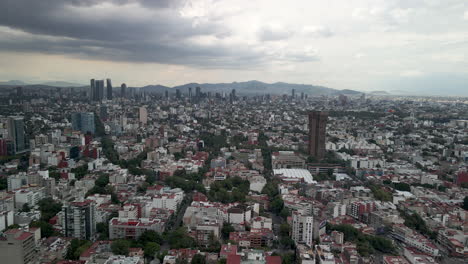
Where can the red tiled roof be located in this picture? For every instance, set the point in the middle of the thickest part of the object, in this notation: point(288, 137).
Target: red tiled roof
point(234, 259)
point(273, 260)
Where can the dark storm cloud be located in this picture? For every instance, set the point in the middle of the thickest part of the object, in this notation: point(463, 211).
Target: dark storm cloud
point(60, 27)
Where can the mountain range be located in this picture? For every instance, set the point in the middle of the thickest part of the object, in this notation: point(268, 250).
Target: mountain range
point(252, 88)
point(51, 83)
point(242, 88)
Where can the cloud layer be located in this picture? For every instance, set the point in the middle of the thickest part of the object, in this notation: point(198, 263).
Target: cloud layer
point(339, 43)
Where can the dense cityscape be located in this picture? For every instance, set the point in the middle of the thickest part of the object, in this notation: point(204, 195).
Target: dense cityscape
point(102, 174)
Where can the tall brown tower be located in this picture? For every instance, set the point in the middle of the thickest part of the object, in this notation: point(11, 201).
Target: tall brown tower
point(317, 132)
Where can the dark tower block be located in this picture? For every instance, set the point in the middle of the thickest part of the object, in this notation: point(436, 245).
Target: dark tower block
point(317, 133)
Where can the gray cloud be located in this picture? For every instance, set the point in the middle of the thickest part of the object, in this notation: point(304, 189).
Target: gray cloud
point(163, 37)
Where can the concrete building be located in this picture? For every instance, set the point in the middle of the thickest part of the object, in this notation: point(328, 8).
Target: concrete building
point(109, 89)
point(17, 247)
point(302, 228)
point(413, 239)
point(143, 114)
point(133, 228)
point(317, 133)
point(16, 133)
point(257, 183)
point(287, 160)
point(79, 219)
point(6, 219)
point(84, 122)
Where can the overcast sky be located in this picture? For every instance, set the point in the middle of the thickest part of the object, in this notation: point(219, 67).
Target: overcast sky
point(345, 44)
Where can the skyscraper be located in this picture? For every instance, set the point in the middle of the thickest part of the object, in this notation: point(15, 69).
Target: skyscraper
point(92, 90)
point(16, 133)
point(123, 90)
point(190, 92)
point(293, 93)
point(99, 90)
point(79, 220)
point(83, 122)
point(109, 89)
point(198, 92)
point(178, 95)
point(317, 132)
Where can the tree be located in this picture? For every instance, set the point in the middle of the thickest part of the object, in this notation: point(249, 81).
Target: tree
point(151, 248)
point(120, 247)
point(13, 226)
point(103, 230)
point(3, 183)
point(25, 208)
point(277, 205)
point(77, 247)
point(49, 208)
point(102, 180)
point(150, 236)
point(465, 203)
point(47, 229)
point(226, 230)
point(180, 239)
point(285, 229)
point(198, 259)
point(401, 186)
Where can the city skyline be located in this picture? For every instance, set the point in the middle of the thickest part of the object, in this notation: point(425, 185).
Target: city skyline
point(388, 45)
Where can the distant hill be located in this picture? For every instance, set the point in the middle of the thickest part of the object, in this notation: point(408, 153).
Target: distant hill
point(51, 83)
point(379, 93)
point(62, 84)
point(254, 87)
point(13, 82)
point(242, 88)
point(155, 88)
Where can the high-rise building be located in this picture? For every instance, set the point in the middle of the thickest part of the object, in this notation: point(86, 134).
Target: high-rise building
point(190, 92)
point(3, 147)
point(302, 228)
point(123, 90)
point(83, 121)
point(16, 133)
point(109, 89)
point(19, 92)
point(99, 90)
point(317, 133)
point(143, 115)
point(92, 89)
point(166, 94)
point(293, 93)
point(79, 220)
point(17, 247)
point(178, 94)
point(198, 92)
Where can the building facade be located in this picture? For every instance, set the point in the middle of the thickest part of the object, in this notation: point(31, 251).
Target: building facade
point(317, 133)
point(79, 219)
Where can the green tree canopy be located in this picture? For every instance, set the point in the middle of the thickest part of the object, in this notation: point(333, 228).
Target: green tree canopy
point(150, 249)
point(120, 247)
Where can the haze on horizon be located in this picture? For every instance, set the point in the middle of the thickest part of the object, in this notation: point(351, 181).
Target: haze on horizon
point(365, 45)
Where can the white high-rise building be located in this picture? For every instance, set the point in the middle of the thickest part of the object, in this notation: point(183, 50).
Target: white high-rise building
point(302, 228)
point(79, 219)
point(143, 115)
